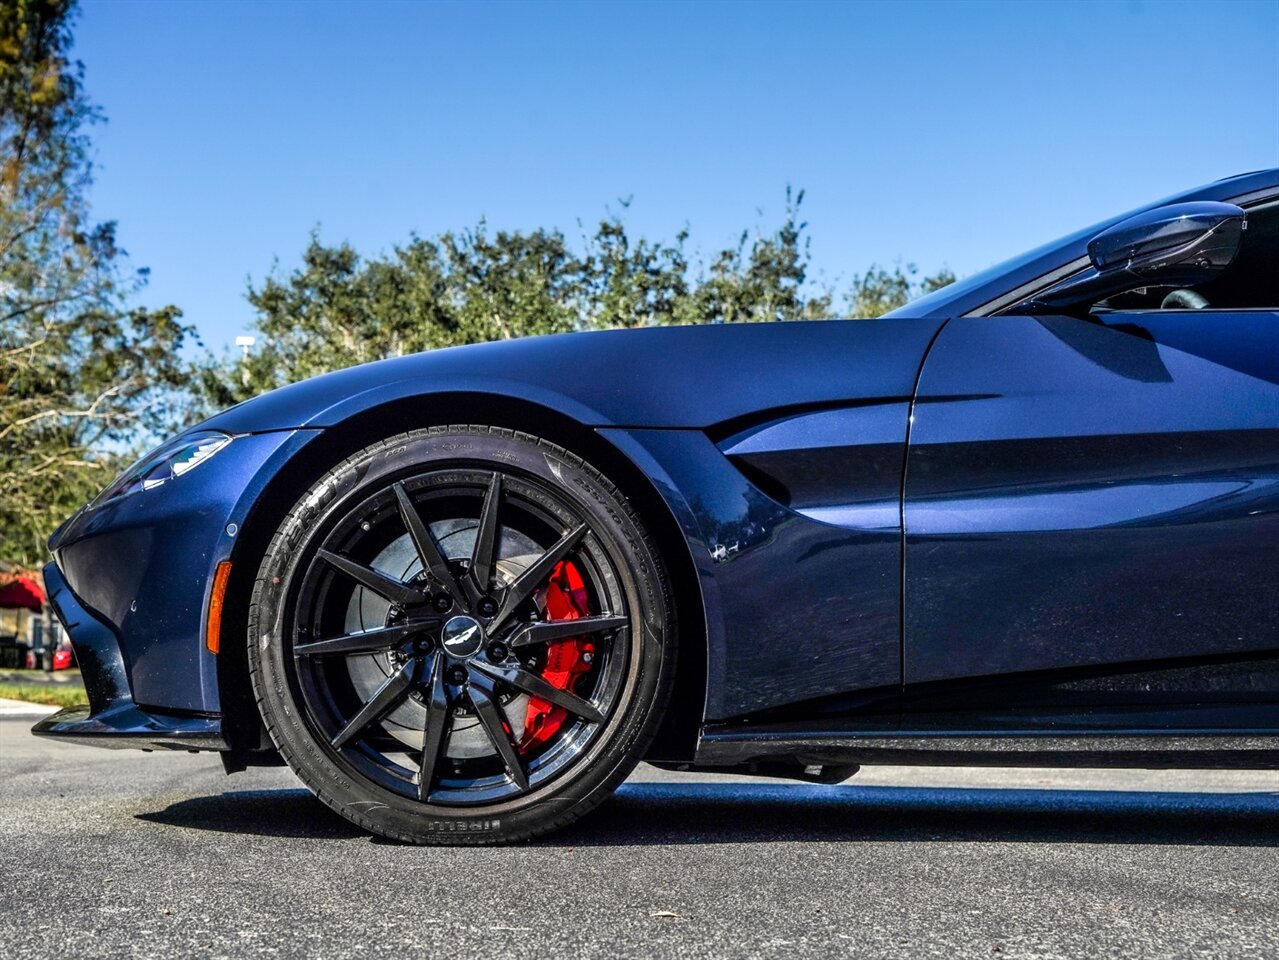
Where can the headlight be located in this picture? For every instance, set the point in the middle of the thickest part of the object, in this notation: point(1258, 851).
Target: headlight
point(171, 459)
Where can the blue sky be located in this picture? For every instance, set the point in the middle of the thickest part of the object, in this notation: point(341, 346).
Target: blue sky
point(949, 134)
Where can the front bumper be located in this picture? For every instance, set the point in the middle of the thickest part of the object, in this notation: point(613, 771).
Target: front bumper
point(130, 584)
point(142, 567)
point(112, 719)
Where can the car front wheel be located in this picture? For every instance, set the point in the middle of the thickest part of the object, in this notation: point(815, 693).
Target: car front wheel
point(461, 635)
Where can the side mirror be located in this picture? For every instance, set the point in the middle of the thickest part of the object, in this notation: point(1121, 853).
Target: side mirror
point(1182, 244)
point(1178, 245)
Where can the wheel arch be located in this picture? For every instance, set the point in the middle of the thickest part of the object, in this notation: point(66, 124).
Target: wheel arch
point(241, 719)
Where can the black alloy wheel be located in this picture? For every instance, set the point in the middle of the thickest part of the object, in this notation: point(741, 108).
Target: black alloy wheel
point(461, 634)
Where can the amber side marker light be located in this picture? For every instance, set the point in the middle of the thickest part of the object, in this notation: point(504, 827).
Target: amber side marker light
point(213, 625)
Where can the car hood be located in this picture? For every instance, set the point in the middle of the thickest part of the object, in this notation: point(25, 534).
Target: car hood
point(663, 377)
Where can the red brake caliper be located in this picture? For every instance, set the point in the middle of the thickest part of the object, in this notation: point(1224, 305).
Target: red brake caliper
point(566, 660)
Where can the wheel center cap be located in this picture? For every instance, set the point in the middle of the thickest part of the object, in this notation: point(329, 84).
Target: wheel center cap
point(462, 636)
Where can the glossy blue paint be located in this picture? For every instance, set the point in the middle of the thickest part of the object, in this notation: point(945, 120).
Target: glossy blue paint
point(796, 609)
point(841, 466)
point(112, 719)
point(144, 563)
point(1086, 492)
point(660, 377)
point(176, 534)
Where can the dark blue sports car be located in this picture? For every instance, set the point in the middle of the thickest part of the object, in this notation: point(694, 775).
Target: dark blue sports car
point(1032, 518)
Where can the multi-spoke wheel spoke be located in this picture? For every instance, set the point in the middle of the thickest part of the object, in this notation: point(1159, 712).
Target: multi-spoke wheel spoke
point(367, 641)
point(394, 689)
point(484, 553)
point(536, 575)
point(533, 684)
point(484, 699)
point(562, 629)
point(377, 581)
point(428, 550)
point(437, 718)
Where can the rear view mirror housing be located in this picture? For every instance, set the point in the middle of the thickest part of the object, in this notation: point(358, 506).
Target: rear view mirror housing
point(1179, 245)
point(1185, 243)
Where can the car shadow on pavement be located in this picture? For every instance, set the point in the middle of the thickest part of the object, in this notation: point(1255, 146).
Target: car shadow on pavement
point(267, 813)
point(699, 812)
point(712, 813)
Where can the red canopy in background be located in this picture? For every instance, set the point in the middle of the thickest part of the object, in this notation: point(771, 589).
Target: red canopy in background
point(21, 592)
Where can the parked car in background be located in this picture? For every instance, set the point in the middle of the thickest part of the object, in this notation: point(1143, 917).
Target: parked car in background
point(63, 656)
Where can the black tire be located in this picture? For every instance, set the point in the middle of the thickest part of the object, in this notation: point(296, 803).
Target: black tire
point(356, 754)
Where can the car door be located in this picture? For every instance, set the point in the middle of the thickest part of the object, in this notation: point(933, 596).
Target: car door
point(1097, 491)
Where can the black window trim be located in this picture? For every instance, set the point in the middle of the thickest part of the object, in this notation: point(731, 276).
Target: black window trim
point(1033, 288)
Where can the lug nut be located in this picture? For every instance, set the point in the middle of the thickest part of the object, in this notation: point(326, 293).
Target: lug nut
point(487, 607)
point(497, 651)
point(457, 675)
point(442, 602)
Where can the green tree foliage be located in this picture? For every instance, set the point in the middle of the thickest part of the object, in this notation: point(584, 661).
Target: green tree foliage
point(764, 282)
point(877, 291)
point(82, 376)
point(337, 308)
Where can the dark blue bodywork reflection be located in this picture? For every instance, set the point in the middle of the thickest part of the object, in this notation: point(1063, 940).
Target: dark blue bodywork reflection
point(795, 608)
point(144, 563)
point(1083, 493)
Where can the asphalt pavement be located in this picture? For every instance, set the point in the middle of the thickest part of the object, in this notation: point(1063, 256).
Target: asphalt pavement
point(127, 854)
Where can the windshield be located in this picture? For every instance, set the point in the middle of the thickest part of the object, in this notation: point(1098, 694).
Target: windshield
point(1008, 270)
point(958, 290)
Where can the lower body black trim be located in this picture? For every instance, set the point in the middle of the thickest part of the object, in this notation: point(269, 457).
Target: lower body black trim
point(126, 725)
point(1185, 749)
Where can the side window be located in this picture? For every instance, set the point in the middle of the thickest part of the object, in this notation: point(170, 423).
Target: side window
point(1251, 282)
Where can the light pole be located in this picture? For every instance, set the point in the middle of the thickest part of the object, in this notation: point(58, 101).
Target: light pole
point(244, 343)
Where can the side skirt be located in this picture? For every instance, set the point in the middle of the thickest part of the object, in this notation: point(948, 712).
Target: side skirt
point(1150, 750)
